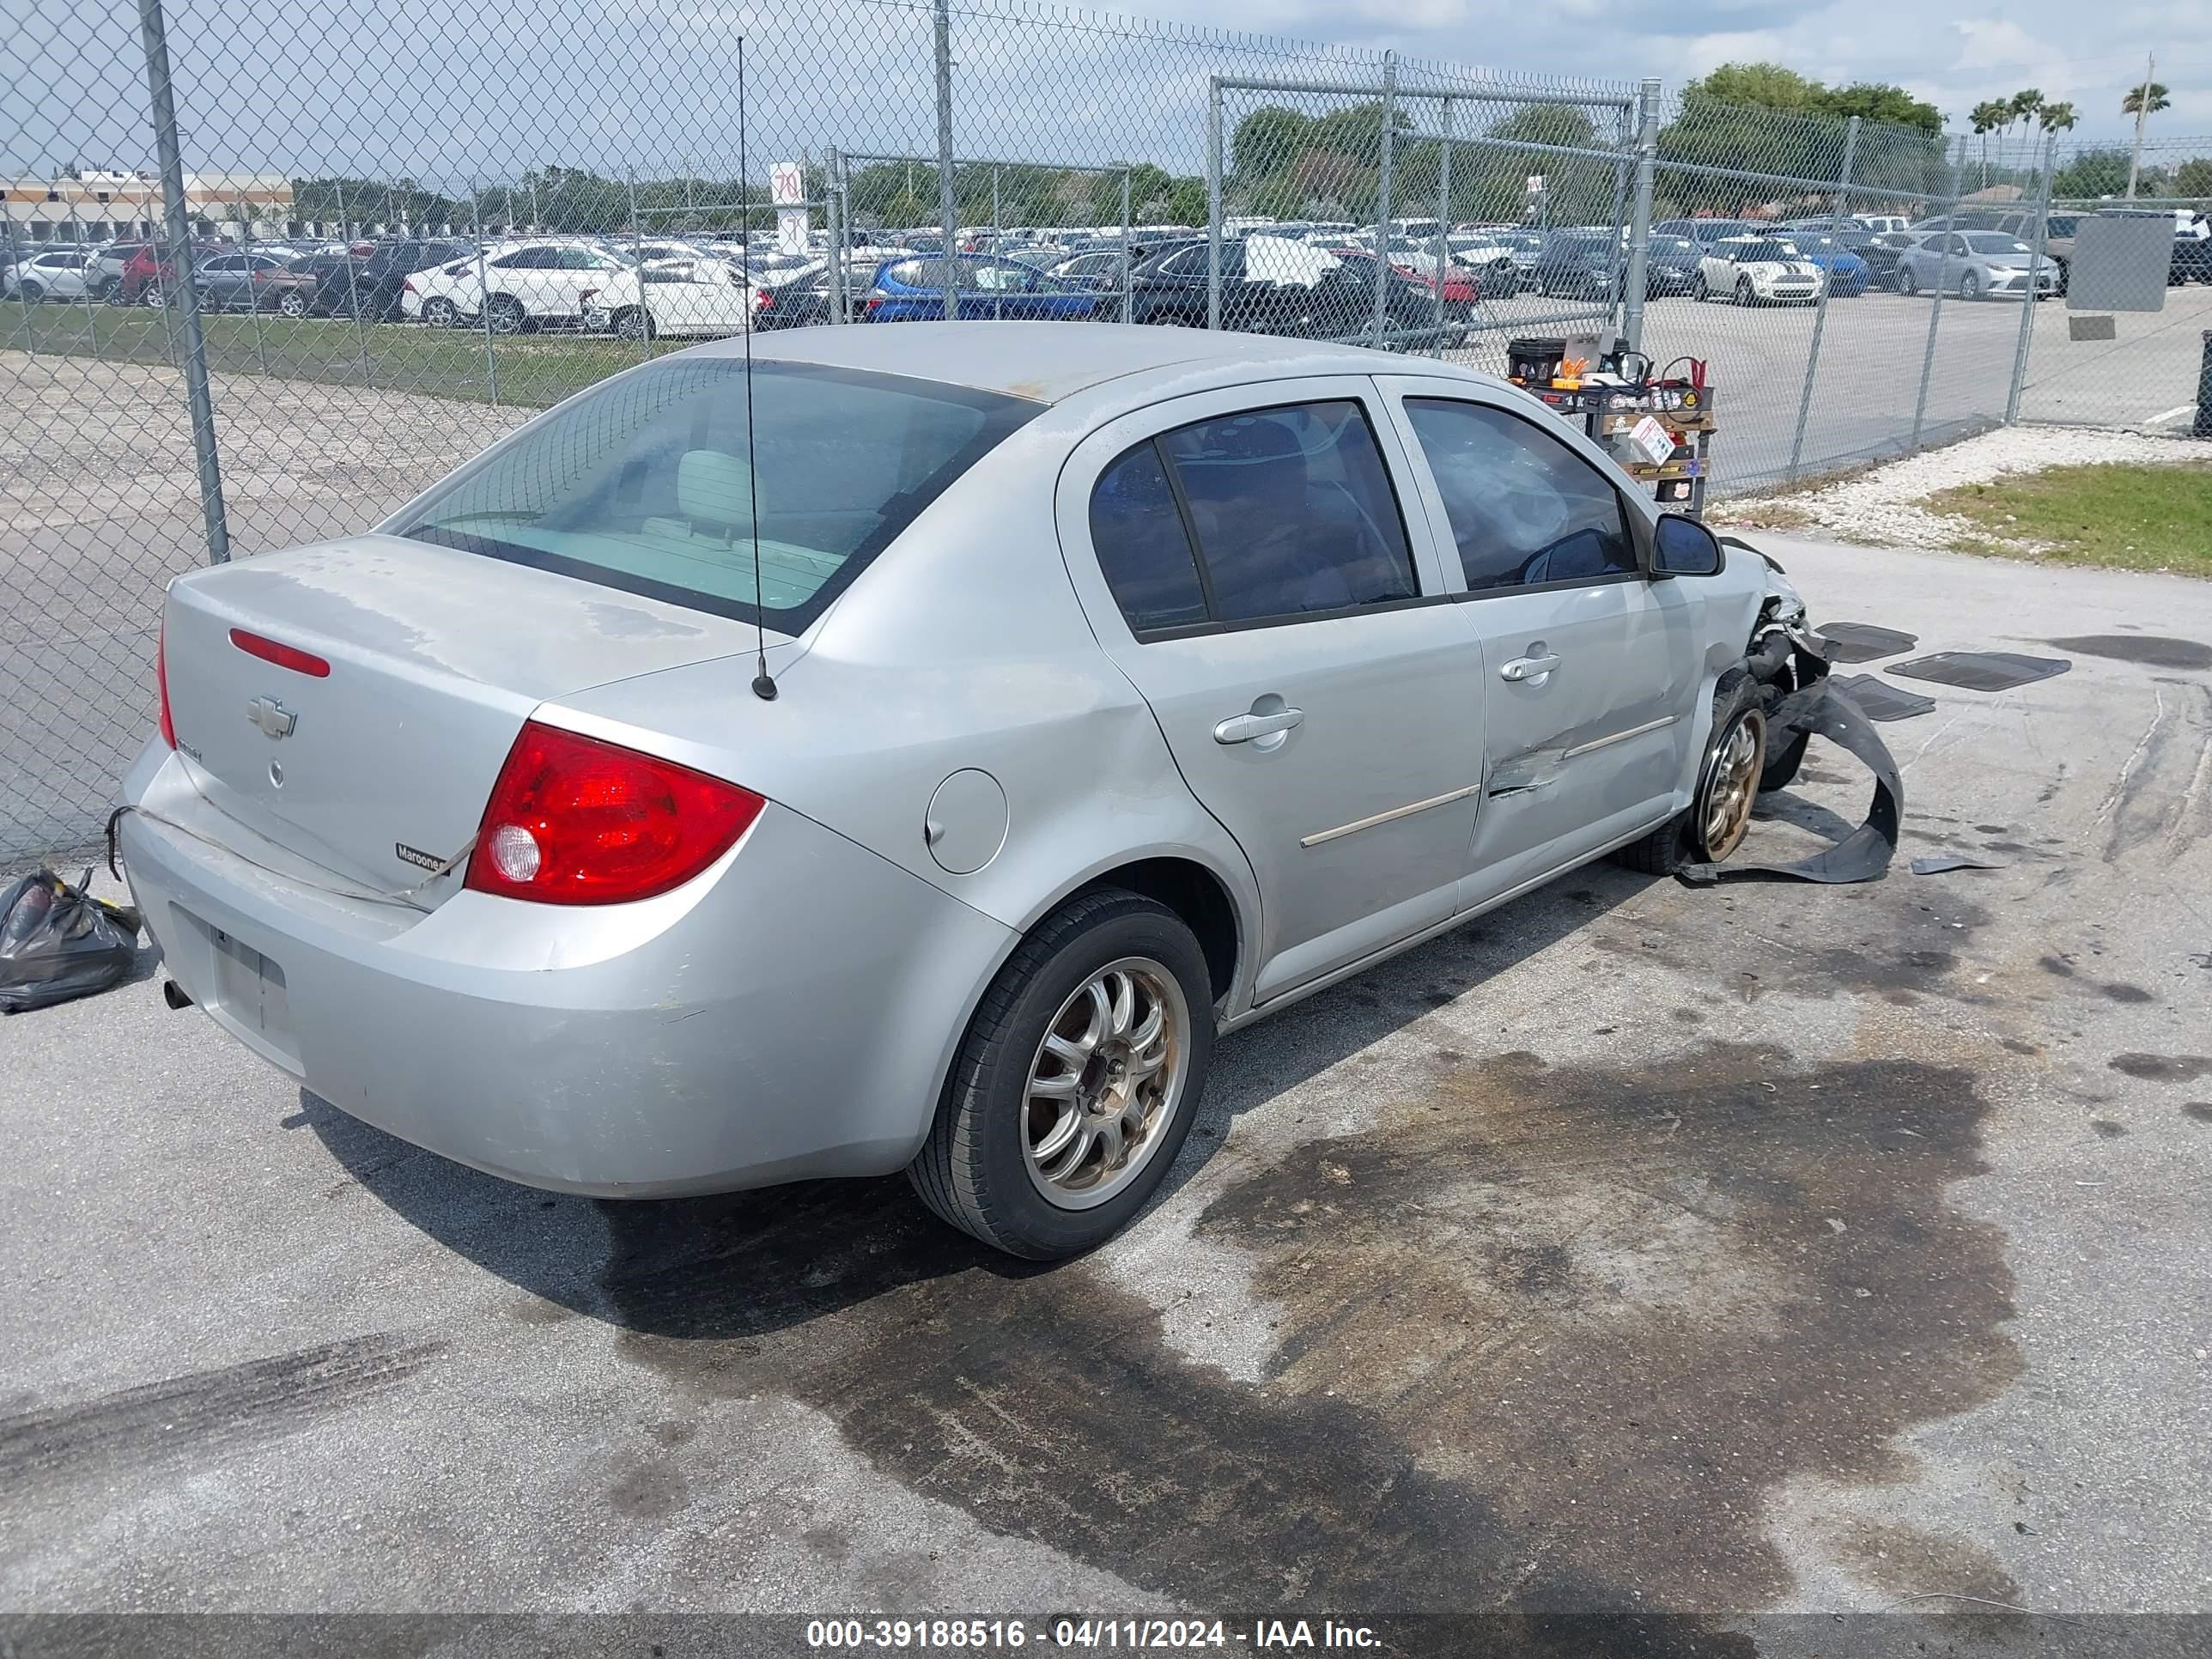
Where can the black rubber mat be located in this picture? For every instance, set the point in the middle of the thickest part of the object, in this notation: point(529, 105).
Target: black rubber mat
point(1981, 670)
point(1863, 641)
point(1878, 700)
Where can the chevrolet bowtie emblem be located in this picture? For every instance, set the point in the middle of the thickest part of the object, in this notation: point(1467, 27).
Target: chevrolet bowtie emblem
point(271, 716)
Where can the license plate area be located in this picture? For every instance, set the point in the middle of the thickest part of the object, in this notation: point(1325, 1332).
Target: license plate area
point(245, 991)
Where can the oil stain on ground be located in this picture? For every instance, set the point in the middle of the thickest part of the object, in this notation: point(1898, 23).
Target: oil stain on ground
point(1548, 1339)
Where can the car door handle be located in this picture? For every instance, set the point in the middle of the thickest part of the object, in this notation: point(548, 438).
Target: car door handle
point(1242, 728)
point(1526, 668)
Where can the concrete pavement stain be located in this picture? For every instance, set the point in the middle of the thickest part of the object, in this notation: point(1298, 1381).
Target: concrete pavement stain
point(1548, 1337)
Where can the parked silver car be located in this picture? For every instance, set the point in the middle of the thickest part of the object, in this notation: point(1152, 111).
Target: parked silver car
point(1095, 690)
point(1974, 264)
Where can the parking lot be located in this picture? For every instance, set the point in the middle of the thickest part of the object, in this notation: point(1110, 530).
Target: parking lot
point(1732, 1251)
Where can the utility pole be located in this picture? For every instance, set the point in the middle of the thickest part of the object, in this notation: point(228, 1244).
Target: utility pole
point(2142, 109)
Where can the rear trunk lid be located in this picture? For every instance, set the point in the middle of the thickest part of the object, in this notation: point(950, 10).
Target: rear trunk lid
point(435, 658)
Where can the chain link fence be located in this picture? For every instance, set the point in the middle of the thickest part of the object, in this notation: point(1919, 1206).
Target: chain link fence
point(266, 278)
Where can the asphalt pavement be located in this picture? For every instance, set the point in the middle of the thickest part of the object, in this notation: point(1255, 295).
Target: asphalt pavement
point(1760, 1249)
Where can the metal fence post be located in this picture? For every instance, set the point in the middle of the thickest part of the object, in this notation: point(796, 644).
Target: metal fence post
point(637, 260)
point(1616, 300)
point(2034, 271)
point(948, 210)
point(1639, 212)
point(1128, 265)
point(483, 291)
point(1382, 197)
point(353, 288)
point(1821, 305)
point(998, 300)
point(1935, 310)
point(1214, 201)
point(197, 394)
point(833, 221)
point(1444, 217)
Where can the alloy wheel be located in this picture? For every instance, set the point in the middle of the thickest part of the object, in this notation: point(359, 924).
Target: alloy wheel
point(1105, 1082)
point(1731, 784)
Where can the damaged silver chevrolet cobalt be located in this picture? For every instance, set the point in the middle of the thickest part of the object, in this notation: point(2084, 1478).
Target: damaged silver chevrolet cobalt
point(909, 748)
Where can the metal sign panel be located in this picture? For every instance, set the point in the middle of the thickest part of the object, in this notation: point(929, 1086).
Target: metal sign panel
point(2120, 262)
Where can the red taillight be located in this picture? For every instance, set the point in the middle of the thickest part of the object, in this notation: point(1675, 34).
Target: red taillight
point(161, 681)
point(284, 656)
point(409, 286)
point(762, 299)
point(575, 821)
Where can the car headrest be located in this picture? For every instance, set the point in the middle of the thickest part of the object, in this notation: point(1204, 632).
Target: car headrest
point(1253, 455)
point(715, 488)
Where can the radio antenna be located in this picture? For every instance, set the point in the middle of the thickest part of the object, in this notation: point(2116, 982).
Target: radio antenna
point(763, 684)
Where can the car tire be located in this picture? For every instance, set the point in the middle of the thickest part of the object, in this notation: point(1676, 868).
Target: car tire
point(1729, 777)
point(504, 314)
point(438, 312)
point(1907, 283)
point(1781, 768)
point(1744, 296)
point(635, 323)
point(1970, 286)
point(979, 1168)
point(292, 303)
point(1701, 290)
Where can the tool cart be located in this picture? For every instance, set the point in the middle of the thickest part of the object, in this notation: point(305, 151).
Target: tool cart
point(1659, 427)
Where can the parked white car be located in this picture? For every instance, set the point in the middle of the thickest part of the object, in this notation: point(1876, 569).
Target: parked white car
point(697, 299)
point(519, 283)
point(58, 274)
point(1758, 271)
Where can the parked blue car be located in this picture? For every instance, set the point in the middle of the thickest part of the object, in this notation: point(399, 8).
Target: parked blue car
point(1848, 276)
point(912, 291)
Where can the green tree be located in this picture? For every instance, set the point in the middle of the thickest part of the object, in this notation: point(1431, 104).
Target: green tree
point(2150, 99)
point(2090, 174)
point(2193, 177)
point(1187, 202)
point(1988, 116)
point(1755, 86)
point(1268, 141)
point(2059, 118)
point(1874, 101)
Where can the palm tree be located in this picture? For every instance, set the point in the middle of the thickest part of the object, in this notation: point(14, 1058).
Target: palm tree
point(2149, 97)
point(1988, 116)
point(2058, 118)
point(2142, 102)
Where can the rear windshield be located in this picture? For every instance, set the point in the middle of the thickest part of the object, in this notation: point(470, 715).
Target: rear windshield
point(648, 482)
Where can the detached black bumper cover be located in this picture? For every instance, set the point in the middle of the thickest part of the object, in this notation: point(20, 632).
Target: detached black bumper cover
point(1865, 853)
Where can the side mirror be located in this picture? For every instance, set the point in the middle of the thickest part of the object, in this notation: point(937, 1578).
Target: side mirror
point(1683, 547)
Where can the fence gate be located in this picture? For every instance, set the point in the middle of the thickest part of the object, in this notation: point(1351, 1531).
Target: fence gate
point(1376, 177)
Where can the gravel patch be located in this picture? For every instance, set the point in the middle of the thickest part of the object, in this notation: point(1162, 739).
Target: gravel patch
point(1882, 507)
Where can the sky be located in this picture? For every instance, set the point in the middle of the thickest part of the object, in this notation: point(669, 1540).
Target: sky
point(1954, 53)
point(452, 92)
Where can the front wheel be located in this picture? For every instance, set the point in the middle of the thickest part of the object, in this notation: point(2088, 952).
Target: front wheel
point(1744, 296)
point(1729, 778)
point(632, 323)
point(1701, 290)
point(1907, 283)
point(438, 311)
point(1970, 286)
point(1076, 1082)
point(292, 303)
point(504, 314)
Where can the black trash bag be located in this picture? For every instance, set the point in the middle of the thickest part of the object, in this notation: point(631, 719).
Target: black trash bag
point(57, 942)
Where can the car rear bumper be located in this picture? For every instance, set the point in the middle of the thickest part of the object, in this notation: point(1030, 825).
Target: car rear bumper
point(788, 1014)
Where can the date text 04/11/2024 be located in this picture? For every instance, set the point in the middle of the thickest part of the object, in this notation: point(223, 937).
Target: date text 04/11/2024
point(1068, 1631)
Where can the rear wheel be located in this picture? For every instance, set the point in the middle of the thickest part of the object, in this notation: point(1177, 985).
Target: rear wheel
point(1076, 1084)
point(31, 292)
point(1729, 779)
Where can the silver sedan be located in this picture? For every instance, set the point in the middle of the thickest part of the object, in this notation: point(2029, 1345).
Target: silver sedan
point(912, 751)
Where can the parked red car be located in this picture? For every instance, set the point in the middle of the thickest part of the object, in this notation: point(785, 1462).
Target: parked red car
point(1461, 289)
point(150, 271)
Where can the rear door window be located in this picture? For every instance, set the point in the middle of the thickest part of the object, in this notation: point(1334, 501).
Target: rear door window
point(1266, 516)
point(652, 482)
